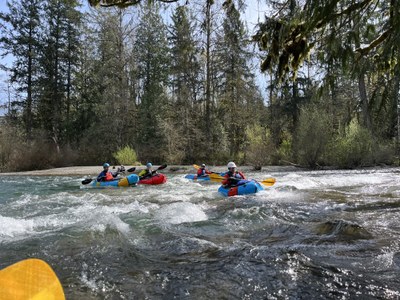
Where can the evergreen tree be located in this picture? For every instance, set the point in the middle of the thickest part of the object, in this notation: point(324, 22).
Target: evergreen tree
point(151, 48)
point(58, 61)
point(21, 39)
point(185, 72)
point(240, 101)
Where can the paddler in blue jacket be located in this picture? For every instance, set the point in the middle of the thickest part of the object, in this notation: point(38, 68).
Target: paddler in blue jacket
point(106, 175)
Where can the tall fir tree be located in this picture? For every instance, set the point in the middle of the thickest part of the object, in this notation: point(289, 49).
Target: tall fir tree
point(21, 39)
point(151, 48)
point(239, 100)
point(116, 107)
point(58, 61)
point(186, 78)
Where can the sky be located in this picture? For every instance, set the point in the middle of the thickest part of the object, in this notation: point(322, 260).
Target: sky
point(253, 14)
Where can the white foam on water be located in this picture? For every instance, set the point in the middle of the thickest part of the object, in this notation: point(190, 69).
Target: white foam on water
point(95, 282)
point(14, 227)
point(32, 215)
point(333, 179)
point(277, 194)
point(181, 212)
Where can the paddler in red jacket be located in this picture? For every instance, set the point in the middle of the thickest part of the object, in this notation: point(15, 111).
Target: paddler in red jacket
point(202, 171)
point(232, 177)
point(106, 175)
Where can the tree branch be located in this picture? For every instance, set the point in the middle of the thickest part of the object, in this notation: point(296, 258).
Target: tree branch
point(374, 43)
point(121, 3)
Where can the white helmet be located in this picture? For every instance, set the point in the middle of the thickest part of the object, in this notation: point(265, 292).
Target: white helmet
point(231, 164)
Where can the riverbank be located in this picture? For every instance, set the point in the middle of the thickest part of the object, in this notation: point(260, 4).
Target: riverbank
point(171, 169)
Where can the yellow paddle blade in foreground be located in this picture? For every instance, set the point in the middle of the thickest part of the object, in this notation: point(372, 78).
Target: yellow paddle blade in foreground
point(196, 167)
point(31, 279)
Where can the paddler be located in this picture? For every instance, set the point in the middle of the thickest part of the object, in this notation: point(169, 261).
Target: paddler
point(202, 171)
point(148, 172)
point(233, 176)
point(106, 175)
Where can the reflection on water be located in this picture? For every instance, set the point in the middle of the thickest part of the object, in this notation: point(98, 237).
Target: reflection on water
point(313, 235)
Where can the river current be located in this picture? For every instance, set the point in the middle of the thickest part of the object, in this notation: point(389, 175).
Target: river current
point(313, 235)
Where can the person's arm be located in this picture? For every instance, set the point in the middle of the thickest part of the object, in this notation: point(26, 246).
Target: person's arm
point(241, 174)
point(145, 174)
point(226, 180)
point(101, 176)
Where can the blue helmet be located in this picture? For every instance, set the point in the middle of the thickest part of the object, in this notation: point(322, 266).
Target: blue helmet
point(106, 165)
point(149, 165)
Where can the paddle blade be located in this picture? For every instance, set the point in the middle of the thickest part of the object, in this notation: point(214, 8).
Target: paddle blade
point(269, 181)
point(87, 181)
point(131, 169)
point(196, 167)
point(216, 177)
point(161, 167)
point(30, 279)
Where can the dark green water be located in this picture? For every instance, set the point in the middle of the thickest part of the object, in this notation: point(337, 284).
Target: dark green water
point(314, 235)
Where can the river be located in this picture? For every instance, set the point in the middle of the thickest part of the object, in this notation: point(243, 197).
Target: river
point(313, 235)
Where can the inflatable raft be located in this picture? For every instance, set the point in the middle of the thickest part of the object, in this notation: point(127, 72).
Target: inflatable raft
point(195, 177)
point(155, 179)
point(244, 187)
point(129, 180)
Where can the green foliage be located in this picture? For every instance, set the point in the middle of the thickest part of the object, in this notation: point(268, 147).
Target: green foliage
point(312, 136)
point(353, 148)
point(284, 153)
point(239, 100)
point(259, 150)
point(125, 156)
point(184, 97)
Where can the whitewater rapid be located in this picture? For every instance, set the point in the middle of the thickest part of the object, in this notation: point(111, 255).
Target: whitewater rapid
point(314, 234)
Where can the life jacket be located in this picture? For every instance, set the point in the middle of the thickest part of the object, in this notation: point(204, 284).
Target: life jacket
point(237, 174)
point(146, 174)
point(201, 172)
point(109, 176)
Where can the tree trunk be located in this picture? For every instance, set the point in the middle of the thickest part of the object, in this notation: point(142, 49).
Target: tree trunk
point(208, 67)
point(366, 119)
point(397, 101)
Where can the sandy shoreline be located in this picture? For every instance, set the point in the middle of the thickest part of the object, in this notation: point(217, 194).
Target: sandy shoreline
point(171, 169)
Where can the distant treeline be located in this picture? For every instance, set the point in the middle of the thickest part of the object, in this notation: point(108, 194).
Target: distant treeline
point(179, 86)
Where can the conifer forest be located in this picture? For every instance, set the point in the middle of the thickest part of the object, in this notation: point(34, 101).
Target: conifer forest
point(312, 84)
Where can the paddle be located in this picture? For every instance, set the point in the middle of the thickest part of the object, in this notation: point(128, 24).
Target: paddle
point(30, 279)
point(152, 172)
point(89, 180)
point(267, 182)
